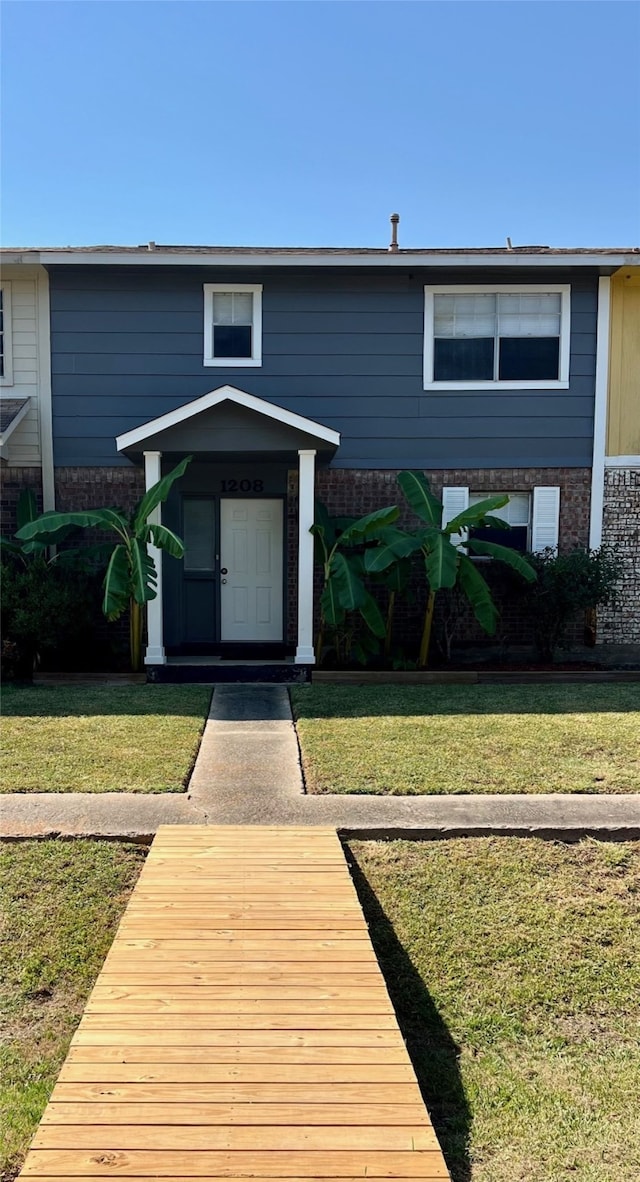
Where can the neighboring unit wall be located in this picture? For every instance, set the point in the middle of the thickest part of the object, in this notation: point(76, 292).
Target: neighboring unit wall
point(621, 517)
point(621, 528)
point(29, 447)
point(24, 446)
point(623, 427)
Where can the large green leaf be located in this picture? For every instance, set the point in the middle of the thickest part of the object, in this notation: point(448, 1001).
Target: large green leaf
point(27, 507)
point(369, 526)
point(378, 558)
point(48, 525)
point(403, 544)
point(349, 586)
point(157, 494)
point(478, 594)
point(164, 539)
point(117, 584)
point(425, 505)
point(332, 612)
point(144, 576)
point(326, 524)
point(320, 550)
point(397, 577)
point(372, 616)
point(394, 544)
point(503, 554)
point(475, 515)
point(441, 561)
point(7, 546)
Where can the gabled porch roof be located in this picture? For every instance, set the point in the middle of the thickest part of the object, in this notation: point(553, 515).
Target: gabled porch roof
point(244, 422)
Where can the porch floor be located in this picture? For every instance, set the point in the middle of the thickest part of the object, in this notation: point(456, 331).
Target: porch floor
point(240, 1027)
point(216, 660)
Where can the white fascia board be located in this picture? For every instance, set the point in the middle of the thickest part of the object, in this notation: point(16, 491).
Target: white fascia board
point(15, 422)
point(622, 461)
point(157, 258)
point(600, 413)
point(227, 394)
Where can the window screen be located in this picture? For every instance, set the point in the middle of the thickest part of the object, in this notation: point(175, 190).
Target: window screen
point(506, 336)
point(232, 324)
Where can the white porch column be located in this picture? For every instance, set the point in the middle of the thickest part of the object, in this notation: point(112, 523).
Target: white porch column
point(155, 654)
point(306, 490)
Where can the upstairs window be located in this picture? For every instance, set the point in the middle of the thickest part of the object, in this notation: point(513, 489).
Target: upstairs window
point(6, 353)
point(514, 337)
point(232, 324)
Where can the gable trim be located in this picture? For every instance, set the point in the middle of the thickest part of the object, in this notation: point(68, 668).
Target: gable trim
point(227, 394)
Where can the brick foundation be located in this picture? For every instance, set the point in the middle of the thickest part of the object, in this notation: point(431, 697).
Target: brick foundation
point(98, 488)
point(621, 528)
point(12, 482)
point(352, 492)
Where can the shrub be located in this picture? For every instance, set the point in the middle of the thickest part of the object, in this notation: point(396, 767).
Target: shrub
point(568, 585)
point(46, 610)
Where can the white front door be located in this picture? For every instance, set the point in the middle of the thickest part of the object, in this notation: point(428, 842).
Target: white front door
point(251, 570)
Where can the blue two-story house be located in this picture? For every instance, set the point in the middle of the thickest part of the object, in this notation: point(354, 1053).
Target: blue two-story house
point(294, 373)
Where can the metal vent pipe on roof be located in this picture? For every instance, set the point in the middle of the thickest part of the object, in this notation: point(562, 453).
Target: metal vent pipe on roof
point(393, 245)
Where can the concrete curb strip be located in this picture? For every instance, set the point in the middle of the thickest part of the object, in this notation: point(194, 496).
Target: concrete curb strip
point(248, 773)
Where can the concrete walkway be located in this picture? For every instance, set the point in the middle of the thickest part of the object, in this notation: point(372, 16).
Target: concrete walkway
point(248, 773)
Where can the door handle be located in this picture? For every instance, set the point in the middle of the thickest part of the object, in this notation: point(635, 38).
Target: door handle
point(224, 571)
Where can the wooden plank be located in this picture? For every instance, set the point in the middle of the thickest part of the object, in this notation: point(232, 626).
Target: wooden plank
point(236, 1138)
point(241, 1055)
point(166, 930)
point(240, 1028)
point(227, 1020)
point(323, 1092)
point(231, 994)
point(205, 1114)
point(209, 1007)
point(353, 1165)
point(87, 1036)
point(307, 977)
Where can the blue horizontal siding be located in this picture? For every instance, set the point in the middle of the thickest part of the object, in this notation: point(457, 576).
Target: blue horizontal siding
point(345, 350)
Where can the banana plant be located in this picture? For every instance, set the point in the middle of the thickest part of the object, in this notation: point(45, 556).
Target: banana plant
point(343, 569)
point(445, 550)
point(34, 551)
point(131, 577)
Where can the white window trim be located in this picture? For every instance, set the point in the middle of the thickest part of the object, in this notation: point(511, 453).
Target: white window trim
point(7, 340)
point(563, 289)
point(210, 289)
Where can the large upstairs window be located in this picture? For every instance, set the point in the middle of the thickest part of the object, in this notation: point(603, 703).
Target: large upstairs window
point(508, 337)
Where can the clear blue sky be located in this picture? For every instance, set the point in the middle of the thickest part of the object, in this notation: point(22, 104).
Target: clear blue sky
point(308, 123)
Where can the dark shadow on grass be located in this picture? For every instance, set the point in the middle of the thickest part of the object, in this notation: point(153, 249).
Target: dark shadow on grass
point(419, 701)
point(58, 701)
point(433, 1051)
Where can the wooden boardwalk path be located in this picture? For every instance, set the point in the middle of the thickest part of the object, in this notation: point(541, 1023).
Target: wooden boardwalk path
point(240, 1027)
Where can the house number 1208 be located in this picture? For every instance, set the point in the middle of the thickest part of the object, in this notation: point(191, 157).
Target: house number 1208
point(232, 486)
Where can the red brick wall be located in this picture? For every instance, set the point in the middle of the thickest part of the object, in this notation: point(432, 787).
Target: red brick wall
point(352, 492)
point(348, 491)
point(12, 482)
point(98, 488)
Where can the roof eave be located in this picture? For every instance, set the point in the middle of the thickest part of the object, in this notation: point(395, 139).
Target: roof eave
point(160, 258)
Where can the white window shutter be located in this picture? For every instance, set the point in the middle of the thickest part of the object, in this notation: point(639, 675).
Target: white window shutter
point(454, 501)
point(545, 529)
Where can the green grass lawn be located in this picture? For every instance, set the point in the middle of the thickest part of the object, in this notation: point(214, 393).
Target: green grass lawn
point(514, 967)
point(62, 902)
point(135, 738)
point(409, 739)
